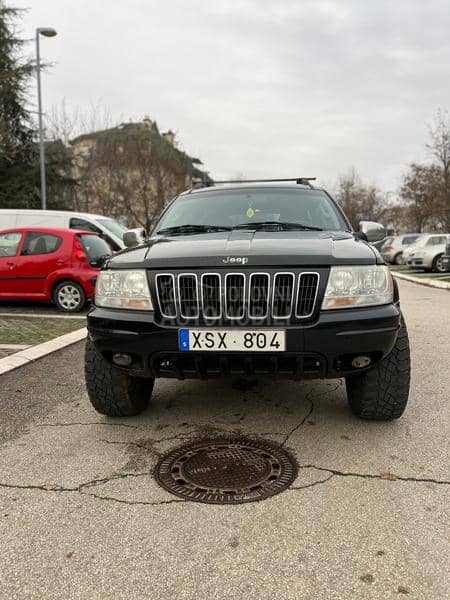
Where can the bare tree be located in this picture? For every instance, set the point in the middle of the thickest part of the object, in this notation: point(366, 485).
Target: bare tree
point(359, 200)
point(65, 123)
point(130, 172)
point(439, 147)
point(420, 195)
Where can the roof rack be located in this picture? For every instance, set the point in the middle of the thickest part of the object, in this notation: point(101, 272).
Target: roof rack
point(299, 180)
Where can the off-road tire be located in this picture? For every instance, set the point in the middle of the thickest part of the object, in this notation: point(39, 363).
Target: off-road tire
point(381, 393)
point(111, 391)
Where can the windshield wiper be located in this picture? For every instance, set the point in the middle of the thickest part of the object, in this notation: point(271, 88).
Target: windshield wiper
point(280, 224)
point(180, 229)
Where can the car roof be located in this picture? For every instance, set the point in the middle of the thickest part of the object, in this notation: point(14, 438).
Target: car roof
point(51, 230)
point(251, 186)
point(32, 211)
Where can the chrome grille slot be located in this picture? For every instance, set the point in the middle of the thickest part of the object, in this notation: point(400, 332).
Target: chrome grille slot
point(266, 297)
point(235, 295)
point(165, 288)
point(211, 295)
point(258, 296)
point(283, 291)
point(308, 285)
point(188, 295)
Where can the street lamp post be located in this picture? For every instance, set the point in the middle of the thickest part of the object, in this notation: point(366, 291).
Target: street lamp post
point(47, 32)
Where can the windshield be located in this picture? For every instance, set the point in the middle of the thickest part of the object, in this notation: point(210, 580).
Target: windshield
point(229, 208)
point(114, 227)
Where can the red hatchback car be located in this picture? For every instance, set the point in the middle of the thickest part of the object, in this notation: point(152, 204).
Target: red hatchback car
point(50, 265)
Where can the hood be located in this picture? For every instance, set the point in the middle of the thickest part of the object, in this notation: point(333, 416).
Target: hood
point(249, 249)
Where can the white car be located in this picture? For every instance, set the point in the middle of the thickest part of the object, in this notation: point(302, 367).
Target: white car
point(109, 229)
point(427, 253)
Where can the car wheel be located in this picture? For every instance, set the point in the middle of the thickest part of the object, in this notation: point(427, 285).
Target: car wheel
point(438, 264)
point(69, 296)
point(398, 259)
point(111, 391)
point(382, 392)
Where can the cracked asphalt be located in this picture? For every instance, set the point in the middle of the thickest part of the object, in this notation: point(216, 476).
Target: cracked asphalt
point(367, 517)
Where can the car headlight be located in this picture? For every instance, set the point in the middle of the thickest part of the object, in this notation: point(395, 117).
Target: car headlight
point(123, 289)
point(358, 286)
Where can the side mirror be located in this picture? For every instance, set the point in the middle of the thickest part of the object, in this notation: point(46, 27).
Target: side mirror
point(134, 237)
point(374, 232)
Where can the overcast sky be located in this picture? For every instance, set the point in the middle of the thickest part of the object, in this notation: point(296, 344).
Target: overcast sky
point(264, 88)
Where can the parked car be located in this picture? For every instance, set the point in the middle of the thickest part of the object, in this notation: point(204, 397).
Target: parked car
point(428, 253)
point(446, 258)
point(249, 280)
point(393, 247)
point(109, 229)
point(50, 265)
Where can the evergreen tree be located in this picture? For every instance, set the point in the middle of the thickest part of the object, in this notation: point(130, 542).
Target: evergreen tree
point(19, 173)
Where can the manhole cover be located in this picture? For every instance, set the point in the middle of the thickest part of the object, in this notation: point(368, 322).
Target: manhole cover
point(226, 471)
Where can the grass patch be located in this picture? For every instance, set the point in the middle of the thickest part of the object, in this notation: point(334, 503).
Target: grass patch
point(32, 331)
point(399, 268)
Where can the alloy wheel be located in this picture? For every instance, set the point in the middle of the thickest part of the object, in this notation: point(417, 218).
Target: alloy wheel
point(69, 297)
point(440, 267)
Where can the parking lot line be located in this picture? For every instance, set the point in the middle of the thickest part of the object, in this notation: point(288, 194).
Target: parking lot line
point(14, 346)
point(40, 315)
point(30, 354)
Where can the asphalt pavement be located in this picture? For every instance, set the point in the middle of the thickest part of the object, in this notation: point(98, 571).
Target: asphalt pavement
point(367, 517)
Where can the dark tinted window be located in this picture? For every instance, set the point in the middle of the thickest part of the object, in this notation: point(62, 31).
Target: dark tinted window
point(95, 247)
point(9, 243)
point(437, 240)
point(82, 225)
point(409, 239)
point(40, 243)
point(76, 223)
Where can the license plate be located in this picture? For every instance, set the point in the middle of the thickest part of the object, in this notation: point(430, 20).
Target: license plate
point(232, 340)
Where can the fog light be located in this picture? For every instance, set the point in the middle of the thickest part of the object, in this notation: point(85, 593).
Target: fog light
point(359, 362)
point(123, 360)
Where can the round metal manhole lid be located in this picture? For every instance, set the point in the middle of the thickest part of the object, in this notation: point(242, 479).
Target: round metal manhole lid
point(226, 471)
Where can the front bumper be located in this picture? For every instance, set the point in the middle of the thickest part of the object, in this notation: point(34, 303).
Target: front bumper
point(322, 349)
point(425, 261)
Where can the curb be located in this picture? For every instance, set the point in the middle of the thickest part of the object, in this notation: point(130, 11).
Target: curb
point(428, 282)
point(33, 353)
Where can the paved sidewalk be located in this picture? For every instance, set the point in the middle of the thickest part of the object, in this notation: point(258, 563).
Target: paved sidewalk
point(424, 279)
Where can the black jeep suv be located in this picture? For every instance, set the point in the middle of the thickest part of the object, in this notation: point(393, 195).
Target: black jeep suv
point(249, 280)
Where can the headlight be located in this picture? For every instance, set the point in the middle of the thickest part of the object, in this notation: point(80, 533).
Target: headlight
point(358, 286)
point(123, 289)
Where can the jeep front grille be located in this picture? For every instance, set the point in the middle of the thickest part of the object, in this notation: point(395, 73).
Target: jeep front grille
point(237, 296)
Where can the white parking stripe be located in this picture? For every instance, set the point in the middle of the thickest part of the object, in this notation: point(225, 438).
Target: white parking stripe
point(33, 353)
point(14, 346)
point(39, 315)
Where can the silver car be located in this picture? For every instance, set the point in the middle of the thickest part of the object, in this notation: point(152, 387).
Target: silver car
point(393, 248)
point(427, 253)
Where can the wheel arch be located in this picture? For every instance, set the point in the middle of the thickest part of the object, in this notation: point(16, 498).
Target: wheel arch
point(60, 279)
